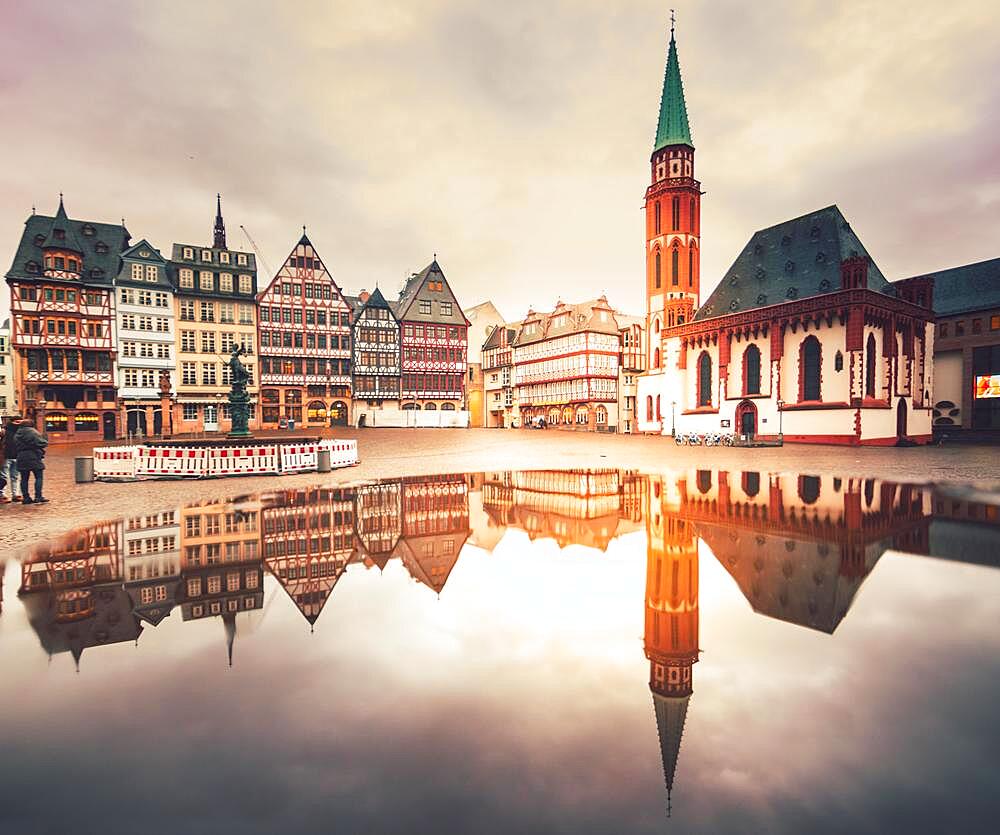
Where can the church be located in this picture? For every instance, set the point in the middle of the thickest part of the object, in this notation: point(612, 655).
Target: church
point(803, 340)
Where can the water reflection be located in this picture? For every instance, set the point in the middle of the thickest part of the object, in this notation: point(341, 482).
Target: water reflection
point(799, 548)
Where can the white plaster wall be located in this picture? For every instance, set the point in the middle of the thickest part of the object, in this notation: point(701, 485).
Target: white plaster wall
point(819, 422)
point(947, 380)
point(835, 384)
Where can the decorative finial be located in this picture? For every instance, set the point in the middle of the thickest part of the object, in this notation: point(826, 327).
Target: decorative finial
point(673, 20)
point(303, 228)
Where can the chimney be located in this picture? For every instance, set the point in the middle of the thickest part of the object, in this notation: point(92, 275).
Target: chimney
point(364, 295)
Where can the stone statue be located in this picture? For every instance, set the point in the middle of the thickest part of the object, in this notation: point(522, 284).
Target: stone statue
point(239, 400)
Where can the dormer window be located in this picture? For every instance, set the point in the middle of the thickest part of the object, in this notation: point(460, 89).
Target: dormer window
point(97, 272)
point(189, 253)
point(241, 259)
point(87, 230)
point(206, 255)
point(32, 267)
point(39, 240)
point(101, 248)
point(224, 257)
point(59, 234)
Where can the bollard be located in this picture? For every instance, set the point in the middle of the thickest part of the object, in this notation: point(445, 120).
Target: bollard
point(84, 469)
point(323, 464)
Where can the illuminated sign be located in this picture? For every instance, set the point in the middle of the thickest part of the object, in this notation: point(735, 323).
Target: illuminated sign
point(988, 386)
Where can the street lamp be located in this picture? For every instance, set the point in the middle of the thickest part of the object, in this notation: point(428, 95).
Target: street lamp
point(673, 418)
point(781, 414)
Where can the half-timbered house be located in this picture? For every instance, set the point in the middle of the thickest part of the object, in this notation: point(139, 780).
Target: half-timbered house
point(375, 360)
point(144, 322)
point(305, 344)
point(62, 324)
point(434, 342)
point(215, 291)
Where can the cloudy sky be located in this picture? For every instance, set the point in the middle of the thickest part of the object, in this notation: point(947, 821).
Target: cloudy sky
point(511, 138)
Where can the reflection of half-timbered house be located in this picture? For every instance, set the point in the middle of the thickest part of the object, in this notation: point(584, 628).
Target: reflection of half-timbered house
point(378, 518)
point(62, 324)
point(375, 358)
point(73, 594)
point(434, 343)
point(305, 344)
point(435, 526)
point(307, 537)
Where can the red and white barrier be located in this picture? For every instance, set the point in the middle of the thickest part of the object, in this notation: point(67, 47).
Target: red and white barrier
point(115, 462)
point(342, 453)
point(150, 461)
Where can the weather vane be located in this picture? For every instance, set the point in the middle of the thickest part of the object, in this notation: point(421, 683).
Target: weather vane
point(672, 21)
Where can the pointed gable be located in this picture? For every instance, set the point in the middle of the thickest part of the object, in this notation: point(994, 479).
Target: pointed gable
point(793, 260)
point(429, 286)
point(304, 256)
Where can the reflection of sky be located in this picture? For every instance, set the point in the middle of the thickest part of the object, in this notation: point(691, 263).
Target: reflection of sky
point(516, 702)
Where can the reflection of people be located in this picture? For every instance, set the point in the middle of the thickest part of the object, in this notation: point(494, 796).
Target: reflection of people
point(238, 371)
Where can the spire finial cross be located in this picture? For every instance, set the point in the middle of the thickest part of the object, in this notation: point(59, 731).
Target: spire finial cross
point(672, 21)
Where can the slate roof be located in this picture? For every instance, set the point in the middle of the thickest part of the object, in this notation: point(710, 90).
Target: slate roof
point(792, 260)
point(38, 233)
point(672, 127)
point(579, 317)
point(965, 289)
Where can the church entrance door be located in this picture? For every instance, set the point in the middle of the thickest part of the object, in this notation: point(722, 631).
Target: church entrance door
point(746, 419)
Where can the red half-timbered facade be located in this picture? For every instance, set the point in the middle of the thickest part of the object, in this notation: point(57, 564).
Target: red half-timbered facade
point(305, 344)
point(62, 324)
point(433, 343)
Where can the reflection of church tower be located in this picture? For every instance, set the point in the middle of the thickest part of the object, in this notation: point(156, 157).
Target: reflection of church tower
point(671, 636)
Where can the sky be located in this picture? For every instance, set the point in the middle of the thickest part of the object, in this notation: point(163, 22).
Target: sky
point(510, 139)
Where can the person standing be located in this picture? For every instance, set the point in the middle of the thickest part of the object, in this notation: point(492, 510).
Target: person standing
point(30, 445)
point(10, 454)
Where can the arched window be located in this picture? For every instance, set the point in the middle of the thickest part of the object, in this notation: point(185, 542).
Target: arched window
point(649, 407)
point(690, 267)
point(601, 415)
point(674, 265)
point(657, 268)
point(656, 217)
point(675, 214)
point(750, 482)
point(704, 379)
point(704, 480)
point(809, 488)
point(656, 358)
point(659, 412)
point(810, 364)
point(870, 366)
point(751, 370)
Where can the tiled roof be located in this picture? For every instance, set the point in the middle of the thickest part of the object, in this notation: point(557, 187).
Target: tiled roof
point(792, 260)
point(672, 127)
point(968, 288)
point(100, 244)
point(584, 316)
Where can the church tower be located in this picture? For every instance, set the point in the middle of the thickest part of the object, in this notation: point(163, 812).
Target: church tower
point(671, 634)
point(673, 215)
point(219, 237)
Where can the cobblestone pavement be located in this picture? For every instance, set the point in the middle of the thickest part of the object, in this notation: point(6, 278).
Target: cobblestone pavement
point(389, 453)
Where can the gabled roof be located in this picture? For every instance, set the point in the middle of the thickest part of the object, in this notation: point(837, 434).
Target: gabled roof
point(412, 291)
point(375, 300)
point(672, 127)
point(87, 237)
point(135, 249)
point(569, 318)
point(965, 289)
point(792, 260)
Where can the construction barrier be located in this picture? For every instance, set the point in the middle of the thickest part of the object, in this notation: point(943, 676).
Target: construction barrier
point(114, 462)
point(148, 461)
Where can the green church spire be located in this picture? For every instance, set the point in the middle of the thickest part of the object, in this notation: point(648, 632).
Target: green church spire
point(672, 127)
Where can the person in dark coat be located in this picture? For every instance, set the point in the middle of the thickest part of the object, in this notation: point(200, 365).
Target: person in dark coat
point(30, 445)
point(10, 453)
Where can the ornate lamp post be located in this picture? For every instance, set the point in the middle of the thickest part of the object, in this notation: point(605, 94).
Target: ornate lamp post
point(673, 418)
point(781, 414)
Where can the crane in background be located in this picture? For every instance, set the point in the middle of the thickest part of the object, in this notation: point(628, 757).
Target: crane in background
point(256, 249)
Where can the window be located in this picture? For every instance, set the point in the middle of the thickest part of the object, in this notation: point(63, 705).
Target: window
point(809, 486)
point(870, 366)
point(977, 325)
point(152, 274)
point(187, 342)
point(206, 255)
point(189, 377)
point(190, 410)
point(187, 278)
point(188, 253)
point(656, 269)
point(704, 379)
point(224, 257)
point(205, 281)
point(187, 311)
point(750, 482)
point(241, 258)
point(656, 217)
point(674, 265)
point(649, 407)
point(137, 272)
point(246, 285)
point(675, 213)
point(425, 308)
point(226, 282)
point(943, 329)
point(208, 374)
point(161, 299)
point(226, 313)
point(994, 324)
point(445, 308)
point(207, 342)
point(194, 587)
point(810, 371)
point(751, 370)
point(207, 312)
